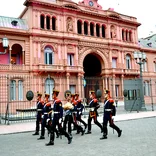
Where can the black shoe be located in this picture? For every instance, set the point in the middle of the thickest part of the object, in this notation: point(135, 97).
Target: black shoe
point(57, 136)
point(69, 140)
point(50, 143)
point(83, 131)
point(88, 132)
point(119, 133)
point(103, 137)
point(77, 132)
point(101, 130)
point(41, 138)
point(36, 133)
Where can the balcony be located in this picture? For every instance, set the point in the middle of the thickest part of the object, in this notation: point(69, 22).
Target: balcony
point(14, 67)
point(72, 69)
point(46, 67)
point(131, 71)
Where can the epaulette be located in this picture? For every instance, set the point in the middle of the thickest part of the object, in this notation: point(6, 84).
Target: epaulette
point(95, 100)
point(75, 102)
point(57, 101)
point(111, 100)
point(78, 100)
point(48, 104)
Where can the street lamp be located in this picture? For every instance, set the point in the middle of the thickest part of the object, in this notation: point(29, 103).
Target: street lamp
point(5, 43)
point(140, 58)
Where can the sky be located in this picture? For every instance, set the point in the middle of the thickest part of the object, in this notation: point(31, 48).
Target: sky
point(143, 10)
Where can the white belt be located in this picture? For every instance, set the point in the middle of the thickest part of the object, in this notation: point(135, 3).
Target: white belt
point(45, 113)
point(108, 110)
point(56, 112)
point(92, 109)
point(39, 109)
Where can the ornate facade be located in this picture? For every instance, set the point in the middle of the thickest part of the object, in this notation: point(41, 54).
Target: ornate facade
point(59, 43)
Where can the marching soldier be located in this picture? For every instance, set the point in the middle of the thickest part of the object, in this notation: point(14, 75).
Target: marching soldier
point(109, 111)
point(69, 117)
point(93, 113)
point(57, 119)
point(47, 111)
point(39, 105)
point(79, 109)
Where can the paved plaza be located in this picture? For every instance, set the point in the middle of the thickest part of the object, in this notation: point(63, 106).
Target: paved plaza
point(138, 139)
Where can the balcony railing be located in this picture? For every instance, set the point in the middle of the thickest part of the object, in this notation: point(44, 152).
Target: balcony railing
point(51, 67)
point(14, 67)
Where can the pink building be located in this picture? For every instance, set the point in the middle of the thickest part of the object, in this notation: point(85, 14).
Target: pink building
point(59, 43)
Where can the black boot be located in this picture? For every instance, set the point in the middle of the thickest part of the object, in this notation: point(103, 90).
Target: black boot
point(117, 129)
point(41, 138)
point(36, 133)
point(69, 140)
point(50, 143)
point(103, 137)
point(88, 132)
point(119, 133)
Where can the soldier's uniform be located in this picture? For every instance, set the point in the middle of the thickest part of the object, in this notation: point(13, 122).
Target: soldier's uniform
point(47, 111)
point(39, 107)
point(57, 119)
point(93, 113)
point(79, 109)
point(107, 116)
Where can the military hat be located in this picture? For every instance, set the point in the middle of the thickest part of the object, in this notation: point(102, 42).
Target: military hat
point(106, 91)
point(91, 92)
point(76, 94)
point(46, 94)
point(56, 91)
point(72, 95)
point(39, 94)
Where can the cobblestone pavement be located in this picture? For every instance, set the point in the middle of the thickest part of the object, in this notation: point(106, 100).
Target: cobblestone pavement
point(138, 139)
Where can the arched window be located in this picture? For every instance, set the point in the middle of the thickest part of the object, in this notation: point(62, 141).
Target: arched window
point(126, 35)
point(42, 21)
point(123, 35)
point(85, 28)
point(79, 27)
point(128, 61)
point(144, 66)
point(20, 90)
point(53, 23)
point(48, 55)
point(49, 85)
point(91, 29)
point(130, 36)
point(48, 22)
point(97, 30)
point(13, 90)
point(103, 31)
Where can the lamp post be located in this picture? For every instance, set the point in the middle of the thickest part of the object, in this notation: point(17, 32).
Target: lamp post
point(140, 58)
point(5, 43)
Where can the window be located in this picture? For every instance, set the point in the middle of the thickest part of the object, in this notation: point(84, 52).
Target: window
point(85, 28)
point(154, 66)
point(144, 66)
point(20, 90)
point(49, 85)
point(72, 88)
point(146, 88)
point(70, 59)
point(48, 22)
point(42, 21)
point(13, 90)
point(117, 90)
point(114, 61)
point(91, 29)
point(97, 30)
point(79, 27)
point(53, 23)
point(128, 62)
point(130, 36)
point(49, 55)
point(122, 34)
point(103, 31)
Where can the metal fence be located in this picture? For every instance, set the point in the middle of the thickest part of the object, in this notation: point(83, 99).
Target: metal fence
point(14, 107)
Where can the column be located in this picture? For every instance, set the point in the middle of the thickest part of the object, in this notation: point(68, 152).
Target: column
point(45, 23)
point(39, 54)
point(79, 84)
point(23, 57)
point(94, 29)
point(108, 31)
point(89, 29)
point(122, 85)
point(38, 16)
point(50, 23)
point(68, 76)
point(10, 56)
point(106, 82)
point(100, 31)
point(113, 86)
point(82, 28)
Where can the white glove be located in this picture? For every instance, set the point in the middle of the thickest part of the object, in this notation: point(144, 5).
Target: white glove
point(42, 116)
point(60, 120)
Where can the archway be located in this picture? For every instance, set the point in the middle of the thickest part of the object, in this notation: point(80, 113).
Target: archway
point(92, 65)
point(92, 76)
